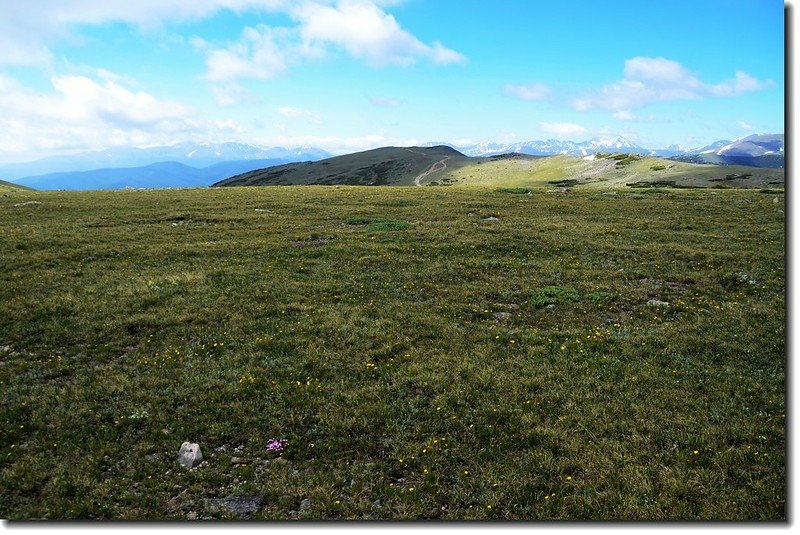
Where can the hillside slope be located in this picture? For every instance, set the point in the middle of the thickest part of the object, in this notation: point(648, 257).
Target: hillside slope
point(613, 170)
point(6, 187)
point(396, 166)
point(443, 165)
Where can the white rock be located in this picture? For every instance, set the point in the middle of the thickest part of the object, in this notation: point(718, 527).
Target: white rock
point(190, 455)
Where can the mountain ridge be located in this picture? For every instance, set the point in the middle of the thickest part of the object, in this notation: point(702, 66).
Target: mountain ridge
point(445, 166)
point(741, 148)
point(196, 155)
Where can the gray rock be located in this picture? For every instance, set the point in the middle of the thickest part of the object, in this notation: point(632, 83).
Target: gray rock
point(305, 504)
point(191, 515)
point(491, 218)
point(190, 455)
point(501, 316)
point(240, 506)
point(238, 460)
point(657, 303)
point(749, 279)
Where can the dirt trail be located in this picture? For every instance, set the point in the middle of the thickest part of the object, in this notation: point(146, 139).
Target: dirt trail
point(432, 169)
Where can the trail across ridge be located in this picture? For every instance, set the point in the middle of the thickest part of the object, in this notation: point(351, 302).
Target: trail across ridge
point(432, 169)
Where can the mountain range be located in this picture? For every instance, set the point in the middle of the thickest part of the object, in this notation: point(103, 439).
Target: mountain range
point(203, 164)
point(757, 150)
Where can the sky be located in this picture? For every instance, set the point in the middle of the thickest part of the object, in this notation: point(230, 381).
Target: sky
point(348, 75)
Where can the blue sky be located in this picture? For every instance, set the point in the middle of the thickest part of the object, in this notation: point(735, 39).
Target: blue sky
point(347, 75)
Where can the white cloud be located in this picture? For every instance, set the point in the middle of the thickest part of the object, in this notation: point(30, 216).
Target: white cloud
point(625, 115)
point(366, 32)
point(231, 94)
point(746, 126)
point(646, 80)
point(529, 92)
point(336, 144)
point(299, 113)
point(28, 29)
point(385, 102)
point(566, 130)
point(360, 27)
point(82, 113)
point(258, 54)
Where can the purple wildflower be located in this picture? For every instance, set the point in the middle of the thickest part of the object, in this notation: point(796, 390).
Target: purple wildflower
point(276, 445)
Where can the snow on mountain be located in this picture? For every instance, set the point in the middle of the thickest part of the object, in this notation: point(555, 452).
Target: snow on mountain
point(755, 145)
point(553, 146)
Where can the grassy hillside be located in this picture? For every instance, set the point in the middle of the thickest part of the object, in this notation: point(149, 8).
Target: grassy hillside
point(397, 166)
point(613, 170)
point(445, 166)
point(442, 353)
point(8, 187)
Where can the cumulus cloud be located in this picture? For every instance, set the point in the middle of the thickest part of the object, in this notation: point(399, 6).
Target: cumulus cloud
point(362, 28)
point(366, 32)
point(566, 130)
point(647, 80)
point(83, 113)
point(358, 27)
point(529, 92)
point(259, 54)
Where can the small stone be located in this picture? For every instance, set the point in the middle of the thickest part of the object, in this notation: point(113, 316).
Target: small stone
point(501, 316)
point(491, 218)
point(238, 460)
point(657, 303)
point(551, 305)
point(305, 504)
point(191, 515)
point(190, 455)
point(376, 503)
point(240, 506)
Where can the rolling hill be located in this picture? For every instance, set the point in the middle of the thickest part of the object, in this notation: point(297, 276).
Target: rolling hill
point(604, 170)
point(7, 187)
point(443, 165)
point(397, 166)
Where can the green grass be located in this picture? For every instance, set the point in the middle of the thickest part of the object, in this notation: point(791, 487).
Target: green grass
point(606, 171)
point(408, 370)
point(10, 187)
